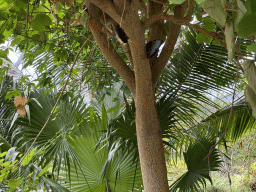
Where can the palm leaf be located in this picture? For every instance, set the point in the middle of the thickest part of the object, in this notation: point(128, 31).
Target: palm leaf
point(52, 140)
point(194, 71)
point(199, 165)
point(240, 121)
point(99, 170)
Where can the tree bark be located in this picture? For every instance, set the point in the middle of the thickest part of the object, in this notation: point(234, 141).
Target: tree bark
point(150, 144)
point(149, 136)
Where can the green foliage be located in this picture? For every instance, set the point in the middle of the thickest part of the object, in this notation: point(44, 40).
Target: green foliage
point(252, 47)
point(216, 10)
point(51, 42)
point(209, 24)
point(246, 26)
point(201, 37)
point(28, 157)
point(199, 165)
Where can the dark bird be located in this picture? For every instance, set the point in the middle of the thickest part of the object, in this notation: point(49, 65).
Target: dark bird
point(119, 32)
point(152, 47)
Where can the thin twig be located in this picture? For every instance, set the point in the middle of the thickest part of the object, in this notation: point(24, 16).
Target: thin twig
point(70, 72)
point(27, 16)
point(122, 14)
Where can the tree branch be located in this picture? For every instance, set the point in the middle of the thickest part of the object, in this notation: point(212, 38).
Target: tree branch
point(109, 52)
point(157, 17)
point(178, 21)
point(156, 29)
point(169, 44)
point(190, 10)
point(106, 6)
point(210, 34)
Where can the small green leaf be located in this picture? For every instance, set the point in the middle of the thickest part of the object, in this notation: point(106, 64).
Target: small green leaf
point(28, 158)
point(247, 26)
point(252, 47)
point(201, 37)
point(13, 183)
point(214, 42)
point(12, 93)
point(3, 54)
point(3, 154)
point(209, 24)
point(44, 169)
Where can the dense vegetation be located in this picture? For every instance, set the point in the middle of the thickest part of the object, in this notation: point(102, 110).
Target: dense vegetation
point(150, 106)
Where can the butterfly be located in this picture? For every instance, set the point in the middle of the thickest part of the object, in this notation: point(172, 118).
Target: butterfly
point(19, 103)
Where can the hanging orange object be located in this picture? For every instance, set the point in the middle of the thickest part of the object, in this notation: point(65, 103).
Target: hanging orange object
point(20, 102)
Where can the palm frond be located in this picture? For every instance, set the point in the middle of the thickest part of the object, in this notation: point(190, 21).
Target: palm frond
point(199, 165)
point(236, 122)
point(194, 71)
point(98, 169)
point(52, 140)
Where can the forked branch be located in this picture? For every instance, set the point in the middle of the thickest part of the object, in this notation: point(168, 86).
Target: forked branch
point(109, 52)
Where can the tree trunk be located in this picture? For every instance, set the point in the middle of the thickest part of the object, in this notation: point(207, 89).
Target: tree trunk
point(150, 147)
point(150, 144)
point(149, 136)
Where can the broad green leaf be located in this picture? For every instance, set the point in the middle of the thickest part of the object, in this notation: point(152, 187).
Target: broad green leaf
point(40, 22)
point(41, 9)
point(250, 6)
point(198, 165)
point(21, 4)
point(252, 47)
point(247, 26)
point(3, 5)
point(216, 10)
point(230, 39)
